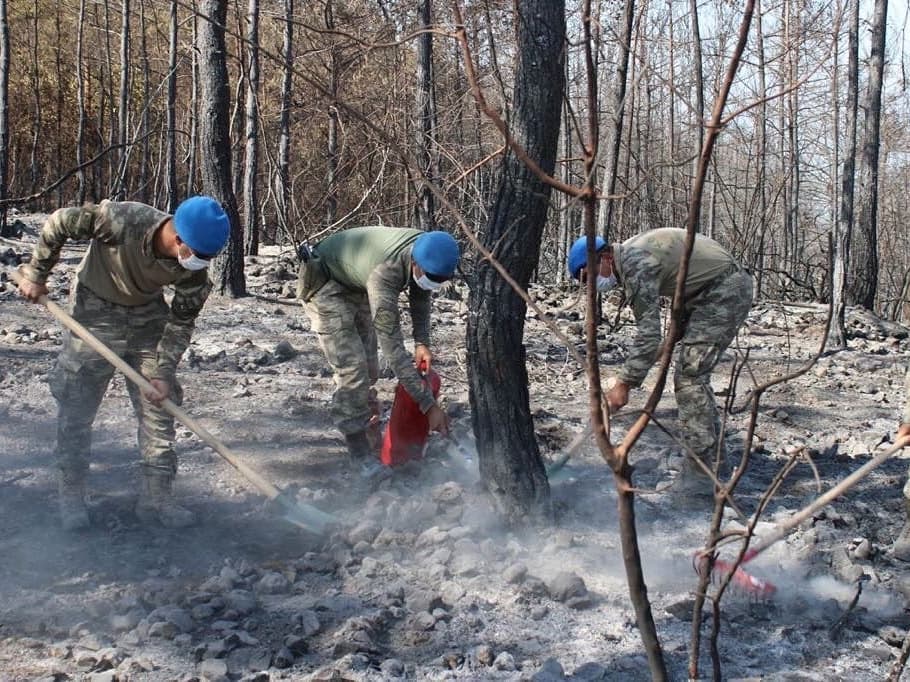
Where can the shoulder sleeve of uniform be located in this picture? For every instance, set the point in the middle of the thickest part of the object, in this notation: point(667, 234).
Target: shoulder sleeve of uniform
point(384, 287)
point(87, 222)
point(190, 295)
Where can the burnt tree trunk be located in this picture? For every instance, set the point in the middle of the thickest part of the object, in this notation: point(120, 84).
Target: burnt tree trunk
point(426, 119)
point(170, 163)
point(4, 109)
point(864, 249)
point(283, 190)
point(510, 462)
point(215, 142)
point(843, 229)
point(251, 161)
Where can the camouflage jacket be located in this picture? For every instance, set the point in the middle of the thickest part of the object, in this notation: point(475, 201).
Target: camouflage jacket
point(121, 267)
point(646, 266)
point(377, 261)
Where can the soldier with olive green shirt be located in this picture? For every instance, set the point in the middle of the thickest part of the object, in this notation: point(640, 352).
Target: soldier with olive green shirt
point(350, 283)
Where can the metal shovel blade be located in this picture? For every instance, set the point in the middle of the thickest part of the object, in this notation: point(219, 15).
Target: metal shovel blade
point(301, 514)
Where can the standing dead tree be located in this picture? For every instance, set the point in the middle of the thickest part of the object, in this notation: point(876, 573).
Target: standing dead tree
point(510, 462)
point(214, 136)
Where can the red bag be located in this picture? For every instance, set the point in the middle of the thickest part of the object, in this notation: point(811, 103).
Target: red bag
point(408, 428)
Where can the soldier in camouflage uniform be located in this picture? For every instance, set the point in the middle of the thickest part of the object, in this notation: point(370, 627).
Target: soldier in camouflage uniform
point(718, 296)
point(349, 284)
point(135, 251)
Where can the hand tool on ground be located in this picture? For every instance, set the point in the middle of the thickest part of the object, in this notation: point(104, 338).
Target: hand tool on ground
point(573, 447)
point(300, 514)
point(762, 589)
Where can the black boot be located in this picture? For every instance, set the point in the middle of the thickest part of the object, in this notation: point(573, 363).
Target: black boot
point(358, 446)
point(364, 457)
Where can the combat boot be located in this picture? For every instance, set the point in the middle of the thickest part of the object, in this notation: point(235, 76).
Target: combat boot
point(157, 503)
point(692, 488)
point(901, 548)
point(362, 455)
point(71, 501)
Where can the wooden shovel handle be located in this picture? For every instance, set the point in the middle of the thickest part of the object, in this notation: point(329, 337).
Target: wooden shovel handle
point(264, 486)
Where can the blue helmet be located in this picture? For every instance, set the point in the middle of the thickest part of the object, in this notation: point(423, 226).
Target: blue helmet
point(202, 224)
point(578, 254)
point(436, 253)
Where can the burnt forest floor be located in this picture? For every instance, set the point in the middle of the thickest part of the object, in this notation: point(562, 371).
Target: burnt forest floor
point(422, 580)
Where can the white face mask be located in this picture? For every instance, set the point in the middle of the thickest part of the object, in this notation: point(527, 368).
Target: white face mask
point(194, 262)
point(604, 284)
point(426, 283)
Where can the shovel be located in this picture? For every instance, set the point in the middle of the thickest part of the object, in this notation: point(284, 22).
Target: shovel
point(300, 514)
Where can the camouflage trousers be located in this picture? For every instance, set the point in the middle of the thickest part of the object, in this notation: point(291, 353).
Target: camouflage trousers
point(714, 319)
point(81, 377)
point(343, 323)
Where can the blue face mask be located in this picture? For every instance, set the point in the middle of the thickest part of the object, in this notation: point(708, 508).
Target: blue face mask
point(426, 283)
point(193, 262)
point(604, 284)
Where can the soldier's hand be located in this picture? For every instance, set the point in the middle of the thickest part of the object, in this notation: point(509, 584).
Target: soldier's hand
point(903, 431)
point(33, 291)
point(618, 395)
point(439, 420)
point(161, 392)
point(422, 355)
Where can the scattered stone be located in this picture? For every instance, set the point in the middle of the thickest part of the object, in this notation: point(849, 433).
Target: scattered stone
point(308, 622)
point(590, 672)
point(392, 667)
point(565, 585)
point(681, 609)
point(451, 593)
point(213, 670)
point(863, 550)
point(550, 671)
point(504, 661)
point(296, 645)
point(483, 654)
point(424, 621)
point(283, 658)
point(273, 583)
point(515, 573)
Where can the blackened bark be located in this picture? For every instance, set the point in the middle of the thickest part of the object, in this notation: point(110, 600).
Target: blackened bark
point(510, 463)
point(843, 229)
point(170, 163)
point(284, 124)
point(426, 119)
point(4, 109)
point(214, 141)
point(251, 161)
point(864, 259)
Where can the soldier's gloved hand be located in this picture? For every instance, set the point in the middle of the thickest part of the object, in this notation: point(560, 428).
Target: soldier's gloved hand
point(162, 391)
point(439, 420)
point(32, 290)
point(422, 358)
point(618, 395)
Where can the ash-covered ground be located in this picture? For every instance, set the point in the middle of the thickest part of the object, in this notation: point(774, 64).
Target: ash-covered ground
point(423, 581)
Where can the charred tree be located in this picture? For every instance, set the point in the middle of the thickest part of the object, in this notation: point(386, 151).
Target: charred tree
point(843, 228)
point(283, 191)
point(426, 118)
point(4, 109)
point(510, 462)
point(170, 162)
point(215, 142)
point(864, 258)
point(251, 161)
